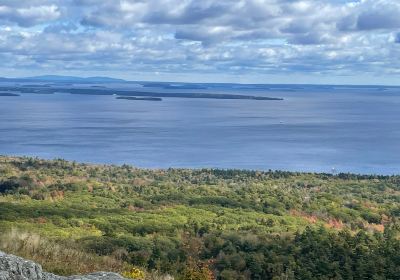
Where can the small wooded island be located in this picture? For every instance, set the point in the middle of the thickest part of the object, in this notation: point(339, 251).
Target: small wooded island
point(140, 98)
point(78, 218)
point(8, 94)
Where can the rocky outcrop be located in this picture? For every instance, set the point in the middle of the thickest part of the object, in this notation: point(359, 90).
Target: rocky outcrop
point(16, 268)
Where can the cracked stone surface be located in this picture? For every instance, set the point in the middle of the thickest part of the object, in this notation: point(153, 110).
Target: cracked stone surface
point(16, 268)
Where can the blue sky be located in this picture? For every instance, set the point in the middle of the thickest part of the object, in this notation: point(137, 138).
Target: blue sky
point(248, 41)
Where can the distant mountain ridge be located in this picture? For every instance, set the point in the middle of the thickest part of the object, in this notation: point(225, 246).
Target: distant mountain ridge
point(58, 78)
point(183, 85)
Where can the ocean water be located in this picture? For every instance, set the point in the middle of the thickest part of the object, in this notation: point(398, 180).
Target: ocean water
point(312, 129)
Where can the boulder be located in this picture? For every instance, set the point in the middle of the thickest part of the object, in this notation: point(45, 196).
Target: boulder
point(16, 268)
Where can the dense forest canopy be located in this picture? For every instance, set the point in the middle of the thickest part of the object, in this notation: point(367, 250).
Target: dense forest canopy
point(201, 224)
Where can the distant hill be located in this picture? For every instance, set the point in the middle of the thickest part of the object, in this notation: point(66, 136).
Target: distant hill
point(57, 78)
point(171, 85)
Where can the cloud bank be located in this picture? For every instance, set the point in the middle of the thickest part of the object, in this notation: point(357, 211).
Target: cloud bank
point(316, 38)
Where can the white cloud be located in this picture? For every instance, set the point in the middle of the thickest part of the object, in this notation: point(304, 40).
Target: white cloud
point(29, 16)
point(224, 36)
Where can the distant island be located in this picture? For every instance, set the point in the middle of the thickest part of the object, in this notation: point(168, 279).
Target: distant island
point(140, 98)
point(127, 94)
point(8, 94)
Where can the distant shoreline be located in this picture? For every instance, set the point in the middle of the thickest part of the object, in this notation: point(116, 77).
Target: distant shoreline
point(4, 157)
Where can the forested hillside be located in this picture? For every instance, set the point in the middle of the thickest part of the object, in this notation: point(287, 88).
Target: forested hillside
point(199, 224)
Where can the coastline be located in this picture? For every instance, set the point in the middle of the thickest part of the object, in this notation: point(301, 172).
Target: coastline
point(228, 170)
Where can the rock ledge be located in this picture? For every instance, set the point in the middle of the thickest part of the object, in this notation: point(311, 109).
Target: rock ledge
point(16, 268)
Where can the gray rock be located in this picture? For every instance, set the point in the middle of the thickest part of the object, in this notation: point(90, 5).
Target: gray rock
point(16, 268)
point(4, 275)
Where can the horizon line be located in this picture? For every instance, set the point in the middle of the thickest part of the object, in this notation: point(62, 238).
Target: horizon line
point(37, 78)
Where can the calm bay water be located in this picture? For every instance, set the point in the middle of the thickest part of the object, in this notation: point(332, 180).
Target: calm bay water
point(355, 130)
